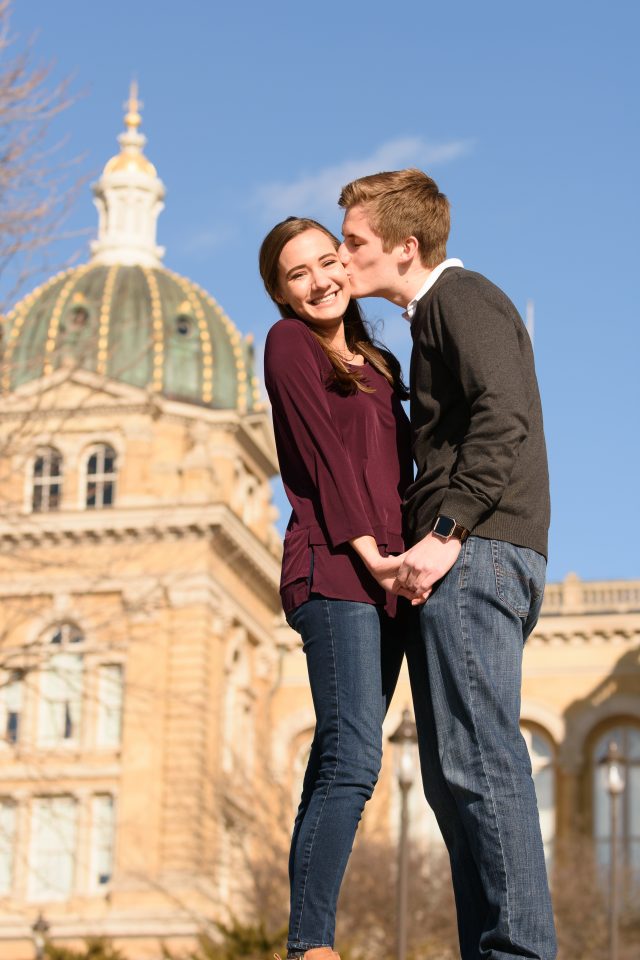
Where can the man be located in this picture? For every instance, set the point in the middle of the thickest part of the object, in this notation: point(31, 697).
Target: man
point(477, 516)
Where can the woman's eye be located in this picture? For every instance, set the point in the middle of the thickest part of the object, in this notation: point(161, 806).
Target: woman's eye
point(296, 276)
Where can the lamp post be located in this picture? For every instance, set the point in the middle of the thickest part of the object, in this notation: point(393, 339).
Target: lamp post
point(40, 929)
point(404, 740)
point(612, 764)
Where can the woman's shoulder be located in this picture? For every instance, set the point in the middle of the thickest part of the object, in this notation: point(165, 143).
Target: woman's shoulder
point(291, 337)
point(288, 329)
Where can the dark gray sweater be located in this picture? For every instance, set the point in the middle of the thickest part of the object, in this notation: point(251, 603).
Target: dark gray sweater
point(478, 439)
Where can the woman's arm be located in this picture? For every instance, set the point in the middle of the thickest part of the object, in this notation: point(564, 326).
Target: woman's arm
point(308, 440)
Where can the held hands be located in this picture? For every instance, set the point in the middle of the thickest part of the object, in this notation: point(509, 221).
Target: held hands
point(385, 569)
point(423, 565)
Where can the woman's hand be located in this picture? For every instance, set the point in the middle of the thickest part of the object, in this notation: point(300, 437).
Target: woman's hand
point(385, 569)
point(385, 572)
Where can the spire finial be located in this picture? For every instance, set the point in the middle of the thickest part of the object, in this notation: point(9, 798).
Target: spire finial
point(133, 107)
point(127, 225)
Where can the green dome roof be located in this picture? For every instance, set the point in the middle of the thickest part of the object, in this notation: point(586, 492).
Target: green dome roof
point(144, 326)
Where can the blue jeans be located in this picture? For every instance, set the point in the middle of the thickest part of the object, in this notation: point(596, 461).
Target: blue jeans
point(465, 665)
point(354, 652)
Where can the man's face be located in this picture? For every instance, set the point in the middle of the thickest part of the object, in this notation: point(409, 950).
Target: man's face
point(373, 273)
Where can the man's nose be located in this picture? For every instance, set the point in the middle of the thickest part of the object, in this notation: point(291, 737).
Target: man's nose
point(344, 255)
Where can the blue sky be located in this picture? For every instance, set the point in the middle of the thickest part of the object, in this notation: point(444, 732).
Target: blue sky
point(526, 115)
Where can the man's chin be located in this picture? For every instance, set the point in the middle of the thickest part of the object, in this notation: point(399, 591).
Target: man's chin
point(358, 291)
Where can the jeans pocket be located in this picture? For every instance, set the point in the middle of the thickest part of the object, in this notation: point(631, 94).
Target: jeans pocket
point(520, 576)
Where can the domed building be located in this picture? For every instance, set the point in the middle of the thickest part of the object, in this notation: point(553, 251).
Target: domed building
point(126, 317)
point(139, 581)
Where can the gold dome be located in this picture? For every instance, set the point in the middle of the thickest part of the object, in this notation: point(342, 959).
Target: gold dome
point(131, 159)
point(126, 162)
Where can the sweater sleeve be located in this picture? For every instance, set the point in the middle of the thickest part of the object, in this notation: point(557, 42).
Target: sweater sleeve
point(480, 345)
point(309, 445)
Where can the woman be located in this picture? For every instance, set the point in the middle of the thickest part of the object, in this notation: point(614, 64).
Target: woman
point(343, 444)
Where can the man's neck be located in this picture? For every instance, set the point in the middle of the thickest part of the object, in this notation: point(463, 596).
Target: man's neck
point(409, 284)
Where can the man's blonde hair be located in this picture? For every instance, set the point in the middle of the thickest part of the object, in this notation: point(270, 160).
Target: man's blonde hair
point(401, 204)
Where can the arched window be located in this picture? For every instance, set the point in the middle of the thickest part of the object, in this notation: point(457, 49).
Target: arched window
point(101, 477)
point(184, 325)
point(47, 480)
point(61, 688)
point(542, 754)
point(626, 736)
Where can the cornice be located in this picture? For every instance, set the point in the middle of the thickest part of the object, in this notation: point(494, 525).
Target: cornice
point(132, 923)
point(240, 547)
point(618, 636)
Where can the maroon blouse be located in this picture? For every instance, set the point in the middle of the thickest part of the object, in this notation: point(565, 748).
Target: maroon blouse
point(345, 463)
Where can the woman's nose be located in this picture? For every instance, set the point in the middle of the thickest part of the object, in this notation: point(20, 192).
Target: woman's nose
point(319, 280)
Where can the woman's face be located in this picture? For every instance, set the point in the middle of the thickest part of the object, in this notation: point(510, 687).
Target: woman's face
point(312, 280)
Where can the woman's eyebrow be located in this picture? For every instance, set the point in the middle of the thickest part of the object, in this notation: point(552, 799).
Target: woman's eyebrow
point(301, 266)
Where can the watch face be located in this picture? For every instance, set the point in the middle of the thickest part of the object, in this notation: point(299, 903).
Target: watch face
point(444, 526)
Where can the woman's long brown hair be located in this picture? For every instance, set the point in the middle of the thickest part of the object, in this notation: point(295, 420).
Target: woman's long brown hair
point(356, 332)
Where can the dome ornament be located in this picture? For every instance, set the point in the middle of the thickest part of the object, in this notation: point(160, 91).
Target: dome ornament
point(133, 106)
point(129, 197)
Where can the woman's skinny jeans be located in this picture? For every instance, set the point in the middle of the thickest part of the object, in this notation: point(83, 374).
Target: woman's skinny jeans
point(354, 651)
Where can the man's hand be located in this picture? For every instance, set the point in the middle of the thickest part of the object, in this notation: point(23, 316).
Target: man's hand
point(424, 564)
point(385, 570)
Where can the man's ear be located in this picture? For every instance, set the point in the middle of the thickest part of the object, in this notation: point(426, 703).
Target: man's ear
point(410, 249)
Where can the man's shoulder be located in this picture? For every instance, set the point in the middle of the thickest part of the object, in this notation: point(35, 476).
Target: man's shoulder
point(458, 283)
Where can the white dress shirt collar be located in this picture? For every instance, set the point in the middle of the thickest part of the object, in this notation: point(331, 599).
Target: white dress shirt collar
point(429, 282)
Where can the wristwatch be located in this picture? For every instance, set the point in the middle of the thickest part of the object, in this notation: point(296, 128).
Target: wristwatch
point(446, 528)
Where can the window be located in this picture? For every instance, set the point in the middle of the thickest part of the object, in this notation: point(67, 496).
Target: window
point(102, 840)
point(627, 739)
point(7, 843)
point(52, 855)
point(11, 705)
point(541, 751)
point(109, 704)
point(101, 478)
point(61, 685)
point(184, 325)
point(47, 480)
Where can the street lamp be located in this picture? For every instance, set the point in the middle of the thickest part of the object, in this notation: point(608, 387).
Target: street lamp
point(404, 740)
point(613, 765)
point(40, 929)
